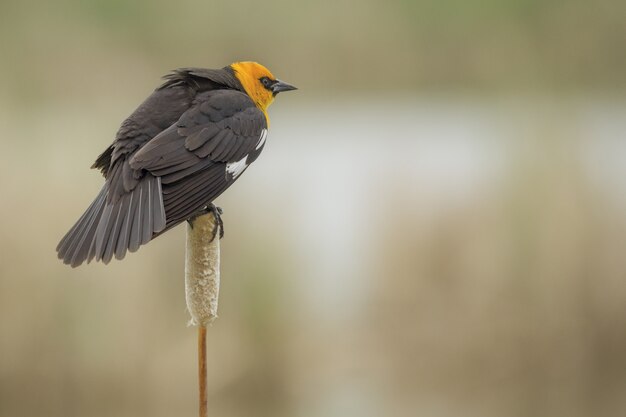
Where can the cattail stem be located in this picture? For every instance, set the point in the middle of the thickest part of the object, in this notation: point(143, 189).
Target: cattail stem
point(202, 372)
point(202, 285)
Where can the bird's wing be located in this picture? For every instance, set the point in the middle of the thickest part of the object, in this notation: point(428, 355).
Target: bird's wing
point(203, 153)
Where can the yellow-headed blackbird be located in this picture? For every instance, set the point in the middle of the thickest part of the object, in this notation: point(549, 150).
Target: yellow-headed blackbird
point(179, 150)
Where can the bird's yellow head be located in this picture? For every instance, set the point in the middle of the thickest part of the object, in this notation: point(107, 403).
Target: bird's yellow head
point(259, 83)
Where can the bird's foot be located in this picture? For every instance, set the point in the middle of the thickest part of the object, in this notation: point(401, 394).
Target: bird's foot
point(217, 213)
point(219, 223)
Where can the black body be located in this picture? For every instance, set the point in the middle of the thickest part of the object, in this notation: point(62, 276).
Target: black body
point(179, 150)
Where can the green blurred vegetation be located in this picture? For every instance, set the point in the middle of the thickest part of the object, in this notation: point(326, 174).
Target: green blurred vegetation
point(369, 45)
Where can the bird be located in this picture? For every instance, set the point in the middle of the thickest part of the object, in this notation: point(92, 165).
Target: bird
point(189, 141)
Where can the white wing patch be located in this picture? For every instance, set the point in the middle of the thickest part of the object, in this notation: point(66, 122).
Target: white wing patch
point(236, 168)
point(262, 140)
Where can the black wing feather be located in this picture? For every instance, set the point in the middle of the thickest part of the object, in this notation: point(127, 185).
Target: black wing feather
point(157, 180)
point(204, 187)
point(193, 167)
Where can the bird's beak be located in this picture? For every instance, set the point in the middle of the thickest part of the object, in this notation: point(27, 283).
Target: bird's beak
point(281, 86)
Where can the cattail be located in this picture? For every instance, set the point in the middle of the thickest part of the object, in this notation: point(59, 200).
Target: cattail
point(202, 287)
point(202, 269)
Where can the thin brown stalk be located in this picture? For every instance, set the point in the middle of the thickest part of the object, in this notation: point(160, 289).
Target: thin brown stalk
point(202, 371)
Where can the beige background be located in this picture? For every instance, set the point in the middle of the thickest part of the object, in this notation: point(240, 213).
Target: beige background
point(436, 227)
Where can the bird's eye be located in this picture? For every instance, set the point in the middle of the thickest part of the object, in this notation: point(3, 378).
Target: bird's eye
point(267, 83)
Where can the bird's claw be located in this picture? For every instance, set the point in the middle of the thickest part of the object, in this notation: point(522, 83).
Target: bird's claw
point(217, 213)
point(219, 223)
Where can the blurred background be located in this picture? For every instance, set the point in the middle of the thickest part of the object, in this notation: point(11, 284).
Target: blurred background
point(437, 226)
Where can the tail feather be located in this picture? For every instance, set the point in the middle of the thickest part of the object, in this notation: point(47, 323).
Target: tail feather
point(135, 239)
point(104, 227)
point(108, 229)
point(69, 247)
point(122, 240)
point(82, 246)
point(110, 239)
point(146, 221)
